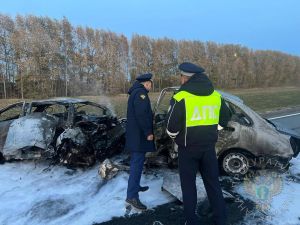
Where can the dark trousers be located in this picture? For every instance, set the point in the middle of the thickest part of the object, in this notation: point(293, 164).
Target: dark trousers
point(204, 160)
point(136, 167)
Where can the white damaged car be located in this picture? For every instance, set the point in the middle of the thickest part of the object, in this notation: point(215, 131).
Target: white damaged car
point(248, 140)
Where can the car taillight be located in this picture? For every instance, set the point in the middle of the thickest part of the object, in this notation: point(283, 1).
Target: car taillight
point(295, 143)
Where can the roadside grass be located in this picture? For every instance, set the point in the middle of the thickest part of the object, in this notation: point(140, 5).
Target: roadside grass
point(6, 102)
point(269, 99)
point(260, 99)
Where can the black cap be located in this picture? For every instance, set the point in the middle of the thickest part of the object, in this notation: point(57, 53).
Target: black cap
point(189, 69)
point(144, 77)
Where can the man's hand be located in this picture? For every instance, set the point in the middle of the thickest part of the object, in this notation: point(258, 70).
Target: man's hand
point(150, 137)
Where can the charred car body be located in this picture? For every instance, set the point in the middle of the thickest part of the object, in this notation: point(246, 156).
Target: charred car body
point(248, 141)
point(74, 132)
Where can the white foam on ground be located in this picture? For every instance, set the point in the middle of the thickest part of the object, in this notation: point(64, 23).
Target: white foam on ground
point(31, 195)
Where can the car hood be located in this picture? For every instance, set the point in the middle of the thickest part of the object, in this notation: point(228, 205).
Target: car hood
point(34, 130)
point(288, 131)
point(283, 130)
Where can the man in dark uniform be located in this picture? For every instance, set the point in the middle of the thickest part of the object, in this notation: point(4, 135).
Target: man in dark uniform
point(195, 112)
point(139, 135)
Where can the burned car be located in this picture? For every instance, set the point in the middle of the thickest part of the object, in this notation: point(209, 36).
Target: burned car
point(248, 140)
point(74, 132)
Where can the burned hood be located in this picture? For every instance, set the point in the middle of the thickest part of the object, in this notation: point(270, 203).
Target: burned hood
point(34, 130)
point(284, 130)
point(288, 131)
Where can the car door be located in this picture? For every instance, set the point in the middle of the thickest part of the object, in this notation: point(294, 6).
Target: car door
point(239, 131)
point(162, 140)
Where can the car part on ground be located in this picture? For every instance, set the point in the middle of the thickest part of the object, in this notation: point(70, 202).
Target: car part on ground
point(171, 184)
point(107, 169)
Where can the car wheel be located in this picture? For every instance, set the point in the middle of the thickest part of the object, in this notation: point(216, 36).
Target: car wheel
point(235, 163)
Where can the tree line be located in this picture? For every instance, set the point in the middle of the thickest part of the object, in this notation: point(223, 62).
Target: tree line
point(42, 57)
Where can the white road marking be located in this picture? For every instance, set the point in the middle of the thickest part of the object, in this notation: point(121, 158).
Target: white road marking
point(279, 117)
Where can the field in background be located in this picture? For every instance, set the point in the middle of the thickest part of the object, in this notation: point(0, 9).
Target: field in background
point(269, 99)
point(259, 99)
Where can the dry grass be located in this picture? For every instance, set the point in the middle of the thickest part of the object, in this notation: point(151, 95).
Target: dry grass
point(260, 99)
point(6, 102)
point(268, 99)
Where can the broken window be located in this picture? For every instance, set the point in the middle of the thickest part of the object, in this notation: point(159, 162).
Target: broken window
point(12, 112)
point(91, 110)
point(239, 115)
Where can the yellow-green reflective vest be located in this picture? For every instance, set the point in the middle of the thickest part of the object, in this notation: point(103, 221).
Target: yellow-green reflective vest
point(200, 110)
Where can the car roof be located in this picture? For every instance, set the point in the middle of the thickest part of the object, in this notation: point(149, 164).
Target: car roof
point(231, 97)
point(61, 101)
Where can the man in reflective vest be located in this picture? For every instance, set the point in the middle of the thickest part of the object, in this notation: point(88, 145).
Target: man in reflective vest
point(195, 112)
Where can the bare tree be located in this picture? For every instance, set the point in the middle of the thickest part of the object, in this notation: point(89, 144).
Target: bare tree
point(42, 57)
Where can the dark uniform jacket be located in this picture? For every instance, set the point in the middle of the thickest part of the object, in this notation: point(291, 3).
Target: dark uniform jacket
point(139, 120)
point(199, 85)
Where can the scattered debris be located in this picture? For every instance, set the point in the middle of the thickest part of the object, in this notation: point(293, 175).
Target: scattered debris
point(108, 170)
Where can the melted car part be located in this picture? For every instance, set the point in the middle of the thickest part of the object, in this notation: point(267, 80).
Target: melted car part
point(73, 149)
point(28, 133)
point(107, 169)
point(74, 155)
point(171, 184)
point(73, 134)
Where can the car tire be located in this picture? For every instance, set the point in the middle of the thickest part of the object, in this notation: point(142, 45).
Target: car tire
point(235, 163)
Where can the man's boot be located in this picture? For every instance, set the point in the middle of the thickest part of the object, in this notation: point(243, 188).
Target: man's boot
point(136, 203)
point(144, 188)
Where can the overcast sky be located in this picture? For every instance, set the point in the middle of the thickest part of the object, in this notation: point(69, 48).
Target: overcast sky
point(257, 24)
